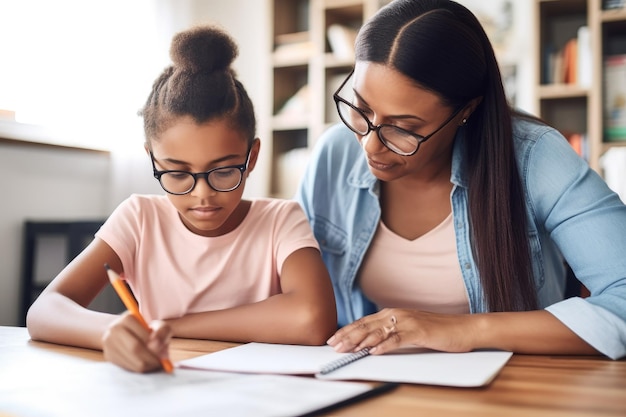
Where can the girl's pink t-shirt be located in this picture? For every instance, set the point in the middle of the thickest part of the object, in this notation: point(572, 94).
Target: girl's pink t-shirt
point(173, 272)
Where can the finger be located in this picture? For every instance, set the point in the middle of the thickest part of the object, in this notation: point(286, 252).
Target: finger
point(392, 342)
point(365, 332)
point(128, 321)
point(375, 337)
point(385, 328)
point(341, 334)
point(392, 339)
point(140, 357)
point(161, 330)
point(116, 347)
point(125, 344)
point(160, 338)
point(349, 337)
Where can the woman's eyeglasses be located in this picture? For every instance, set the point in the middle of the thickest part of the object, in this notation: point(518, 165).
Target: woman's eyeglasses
point(396, 139)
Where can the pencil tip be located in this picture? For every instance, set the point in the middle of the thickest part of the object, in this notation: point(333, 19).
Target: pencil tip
point(106, 266)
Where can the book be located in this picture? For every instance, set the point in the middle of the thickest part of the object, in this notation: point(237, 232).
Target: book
point(292, 46)
point(612, 4)
point(615, 98)
point(570, 62)
point(415, 366)
point(579, 143)
point(341, 39)
point(585, 61)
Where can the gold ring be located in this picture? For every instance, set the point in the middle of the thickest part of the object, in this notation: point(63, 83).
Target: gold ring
point(388, 330)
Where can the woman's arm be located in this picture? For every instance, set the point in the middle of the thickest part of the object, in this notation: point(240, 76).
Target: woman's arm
point(304, 313)
point(532, 332)
point(578, 215)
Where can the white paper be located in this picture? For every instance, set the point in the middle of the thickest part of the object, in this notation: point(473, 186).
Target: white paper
point(266, 358)
point(104, 390)
point(415, 366)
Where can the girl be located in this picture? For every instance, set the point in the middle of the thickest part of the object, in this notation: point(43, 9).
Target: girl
point(201, 261)
point(445, 216)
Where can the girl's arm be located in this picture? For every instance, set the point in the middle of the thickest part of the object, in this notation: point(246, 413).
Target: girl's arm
point(531, 332)
point(304, 313)
point(60, 313)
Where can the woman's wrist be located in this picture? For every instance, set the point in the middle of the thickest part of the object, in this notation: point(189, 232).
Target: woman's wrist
point(479, 331)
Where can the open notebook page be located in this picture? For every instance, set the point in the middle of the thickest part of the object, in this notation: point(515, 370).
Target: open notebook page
point(416, 366)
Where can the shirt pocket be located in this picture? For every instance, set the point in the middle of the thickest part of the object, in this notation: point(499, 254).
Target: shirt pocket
point(331, 238)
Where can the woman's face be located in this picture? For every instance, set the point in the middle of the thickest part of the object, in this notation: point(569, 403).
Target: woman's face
point(385, 95)
point(192, 147)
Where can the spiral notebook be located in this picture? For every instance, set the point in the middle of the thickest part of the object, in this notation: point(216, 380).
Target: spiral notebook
point(415, 366)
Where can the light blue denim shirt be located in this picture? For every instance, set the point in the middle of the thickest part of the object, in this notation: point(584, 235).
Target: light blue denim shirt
point(572, 215)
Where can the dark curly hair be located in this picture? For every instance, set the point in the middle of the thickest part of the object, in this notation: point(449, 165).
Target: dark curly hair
point(199, 83)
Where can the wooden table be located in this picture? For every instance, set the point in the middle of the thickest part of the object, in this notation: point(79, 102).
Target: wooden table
point(527, 386)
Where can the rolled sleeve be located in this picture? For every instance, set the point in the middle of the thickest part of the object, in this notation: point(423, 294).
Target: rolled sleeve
point(603, 330)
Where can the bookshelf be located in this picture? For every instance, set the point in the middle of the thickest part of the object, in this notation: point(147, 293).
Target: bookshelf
point(311, 53)
point(578, 106)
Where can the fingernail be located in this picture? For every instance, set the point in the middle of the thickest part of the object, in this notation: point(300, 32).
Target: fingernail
point(331, 340)
point(373, 350)
point(338, 346)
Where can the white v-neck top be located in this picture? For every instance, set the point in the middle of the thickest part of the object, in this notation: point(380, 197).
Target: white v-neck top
point(423, 274)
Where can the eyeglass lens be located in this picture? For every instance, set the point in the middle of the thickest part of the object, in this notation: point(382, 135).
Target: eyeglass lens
point(396, 139)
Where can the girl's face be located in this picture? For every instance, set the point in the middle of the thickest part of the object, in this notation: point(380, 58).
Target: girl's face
point(385, 95)
point(192, 147)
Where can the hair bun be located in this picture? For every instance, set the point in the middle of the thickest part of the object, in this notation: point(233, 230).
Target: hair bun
point(203, 48)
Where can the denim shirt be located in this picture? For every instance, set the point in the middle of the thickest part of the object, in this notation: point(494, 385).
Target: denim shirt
point(572, 216)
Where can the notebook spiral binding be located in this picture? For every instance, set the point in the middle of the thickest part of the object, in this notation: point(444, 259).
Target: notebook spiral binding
point(338, 363)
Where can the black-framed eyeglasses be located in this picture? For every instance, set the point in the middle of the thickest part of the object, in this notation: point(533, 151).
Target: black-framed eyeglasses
point(222, 179)
point(396, 139)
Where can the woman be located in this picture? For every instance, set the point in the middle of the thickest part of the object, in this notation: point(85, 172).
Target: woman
point(446, 223)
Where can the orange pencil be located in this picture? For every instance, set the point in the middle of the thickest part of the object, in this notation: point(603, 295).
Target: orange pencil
point(131, 305)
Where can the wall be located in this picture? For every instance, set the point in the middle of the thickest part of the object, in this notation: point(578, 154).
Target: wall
point(43, 183)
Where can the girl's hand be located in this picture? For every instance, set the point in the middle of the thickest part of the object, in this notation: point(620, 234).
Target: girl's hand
point(129, 345)
point(391, 329)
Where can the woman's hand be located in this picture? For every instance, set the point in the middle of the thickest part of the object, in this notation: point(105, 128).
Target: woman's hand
point(393, 328)
point(129, 345)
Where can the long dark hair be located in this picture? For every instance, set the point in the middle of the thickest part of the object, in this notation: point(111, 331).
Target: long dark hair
point(442, 46)
point(200, 83)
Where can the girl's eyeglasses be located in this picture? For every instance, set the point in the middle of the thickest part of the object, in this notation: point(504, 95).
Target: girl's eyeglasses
point(222, 179)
